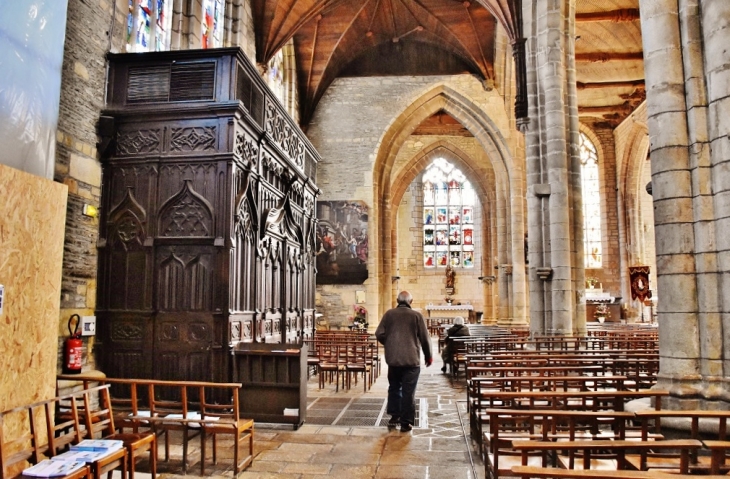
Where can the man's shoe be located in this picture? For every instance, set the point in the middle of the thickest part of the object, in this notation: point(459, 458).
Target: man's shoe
point(405, 427)
point(393, 423)
point(443, 369)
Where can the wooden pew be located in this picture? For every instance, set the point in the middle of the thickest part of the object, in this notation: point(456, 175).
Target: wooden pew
point(617, 448)
point(526, 472)
point(192, 407)
point(651, 421)
point(565, 400)
point(509, 425)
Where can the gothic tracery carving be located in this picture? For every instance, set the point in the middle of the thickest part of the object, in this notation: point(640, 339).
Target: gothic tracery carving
point(139, 141)
point(246, 149)
point(284, 135)
point(186, 214)
point(200, 138)
point(123, 331)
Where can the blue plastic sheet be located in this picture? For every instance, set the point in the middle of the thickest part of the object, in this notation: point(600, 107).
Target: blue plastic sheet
point(32, 34)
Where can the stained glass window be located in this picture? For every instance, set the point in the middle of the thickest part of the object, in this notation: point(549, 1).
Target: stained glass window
point(148, 25)
point(448, 217)
point(275, 74)
point(591, 204)
point(212, 34)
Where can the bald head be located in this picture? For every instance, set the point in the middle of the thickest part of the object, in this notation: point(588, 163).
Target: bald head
point(404, 297)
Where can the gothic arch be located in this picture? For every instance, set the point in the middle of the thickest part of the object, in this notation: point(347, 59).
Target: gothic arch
point(630, 186)
point(483, 182)
point(508, 179)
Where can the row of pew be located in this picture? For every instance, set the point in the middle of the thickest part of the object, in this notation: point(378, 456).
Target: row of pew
point(544, 405)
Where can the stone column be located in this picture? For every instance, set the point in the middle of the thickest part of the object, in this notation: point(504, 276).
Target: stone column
point(518, 279)
point(715, 318)
point(672, 194)
point(551, 135)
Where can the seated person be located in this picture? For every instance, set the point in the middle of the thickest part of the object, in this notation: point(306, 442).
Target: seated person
point(458, 329)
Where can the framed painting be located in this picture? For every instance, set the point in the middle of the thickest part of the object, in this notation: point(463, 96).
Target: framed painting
point(342, 242)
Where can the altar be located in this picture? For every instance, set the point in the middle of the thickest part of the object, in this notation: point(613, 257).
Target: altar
point(452, 310)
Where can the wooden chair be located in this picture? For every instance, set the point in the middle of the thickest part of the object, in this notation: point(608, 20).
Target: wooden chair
point(356, 362)
point(100, 424)
point(32, 424)
point(220, 417)
point(331, 364)
point(171, 401)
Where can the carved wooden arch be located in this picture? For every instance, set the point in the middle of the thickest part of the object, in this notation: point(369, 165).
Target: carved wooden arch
point(127, 219)
point(194, 215)
point(246, 217)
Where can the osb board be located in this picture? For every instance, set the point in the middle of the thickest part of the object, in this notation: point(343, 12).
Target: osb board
point(32, 227)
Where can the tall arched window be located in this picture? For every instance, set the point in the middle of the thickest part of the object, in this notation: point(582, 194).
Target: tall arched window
point(212, 34)
point(591, 204)
point(149, 24)
point(275, 76)
point(448, 217)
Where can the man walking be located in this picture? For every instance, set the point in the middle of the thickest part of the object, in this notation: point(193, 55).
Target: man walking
point(402, 331)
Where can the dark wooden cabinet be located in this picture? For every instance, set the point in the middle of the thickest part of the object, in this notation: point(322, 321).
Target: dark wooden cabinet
point(207, 223)
point(274, 379)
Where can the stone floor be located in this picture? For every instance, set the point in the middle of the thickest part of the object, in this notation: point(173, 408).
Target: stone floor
point(438, 447)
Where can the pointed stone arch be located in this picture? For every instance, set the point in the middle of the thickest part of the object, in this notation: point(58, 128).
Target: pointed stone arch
point(633, 160)
point(508, 181)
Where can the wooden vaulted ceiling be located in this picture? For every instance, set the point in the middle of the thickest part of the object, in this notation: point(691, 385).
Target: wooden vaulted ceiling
point(334, 38)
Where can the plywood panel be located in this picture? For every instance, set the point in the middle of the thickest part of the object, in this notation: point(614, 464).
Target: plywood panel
point(32, 227)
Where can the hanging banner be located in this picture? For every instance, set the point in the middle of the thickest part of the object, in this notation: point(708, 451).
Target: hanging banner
point(639, 276)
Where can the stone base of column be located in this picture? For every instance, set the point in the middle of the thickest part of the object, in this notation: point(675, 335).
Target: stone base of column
point(695, 392)
point(510, 322)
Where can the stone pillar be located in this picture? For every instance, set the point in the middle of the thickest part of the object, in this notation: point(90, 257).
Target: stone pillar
point(554, 212)
point(517, 227)
point(715, 157)
point(672, 192)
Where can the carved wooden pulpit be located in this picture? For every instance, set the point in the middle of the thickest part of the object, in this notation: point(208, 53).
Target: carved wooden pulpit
point(208, 216)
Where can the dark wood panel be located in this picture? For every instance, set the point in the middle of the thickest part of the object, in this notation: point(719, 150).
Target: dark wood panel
point(208, 214)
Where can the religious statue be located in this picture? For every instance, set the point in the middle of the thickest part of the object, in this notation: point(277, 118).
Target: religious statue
point(450, 274)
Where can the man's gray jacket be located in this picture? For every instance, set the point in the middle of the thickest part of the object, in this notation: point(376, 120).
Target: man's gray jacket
point(402, 331)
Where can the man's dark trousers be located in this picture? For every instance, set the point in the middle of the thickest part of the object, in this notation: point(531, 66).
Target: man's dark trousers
point(402, 382)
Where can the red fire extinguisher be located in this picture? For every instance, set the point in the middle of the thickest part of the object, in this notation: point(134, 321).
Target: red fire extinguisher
point(72, 348)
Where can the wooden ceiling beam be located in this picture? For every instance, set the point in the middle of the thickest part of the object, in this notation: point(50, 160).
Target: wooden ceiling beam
point(624, 108)
point(611, 84)
point(603, 57)
point(616, 16)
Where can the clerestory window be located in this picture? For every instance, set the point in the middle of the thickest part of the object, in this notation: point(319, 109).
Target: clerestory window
point(212, 32)
point(149, 24)
point(448, 217)
point(591, 204)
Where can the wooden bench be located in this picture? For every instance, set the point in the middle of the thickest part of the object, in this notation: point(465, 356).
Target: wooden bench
point(714, 424)
point(478, 404)
point(45, 430)
point(616, 448)
point(191, 407)
point(560, 473)
point(508, 425)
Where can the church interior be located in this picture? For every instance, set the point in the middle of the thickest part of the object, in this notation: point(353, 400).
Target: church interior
point(187, 184)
